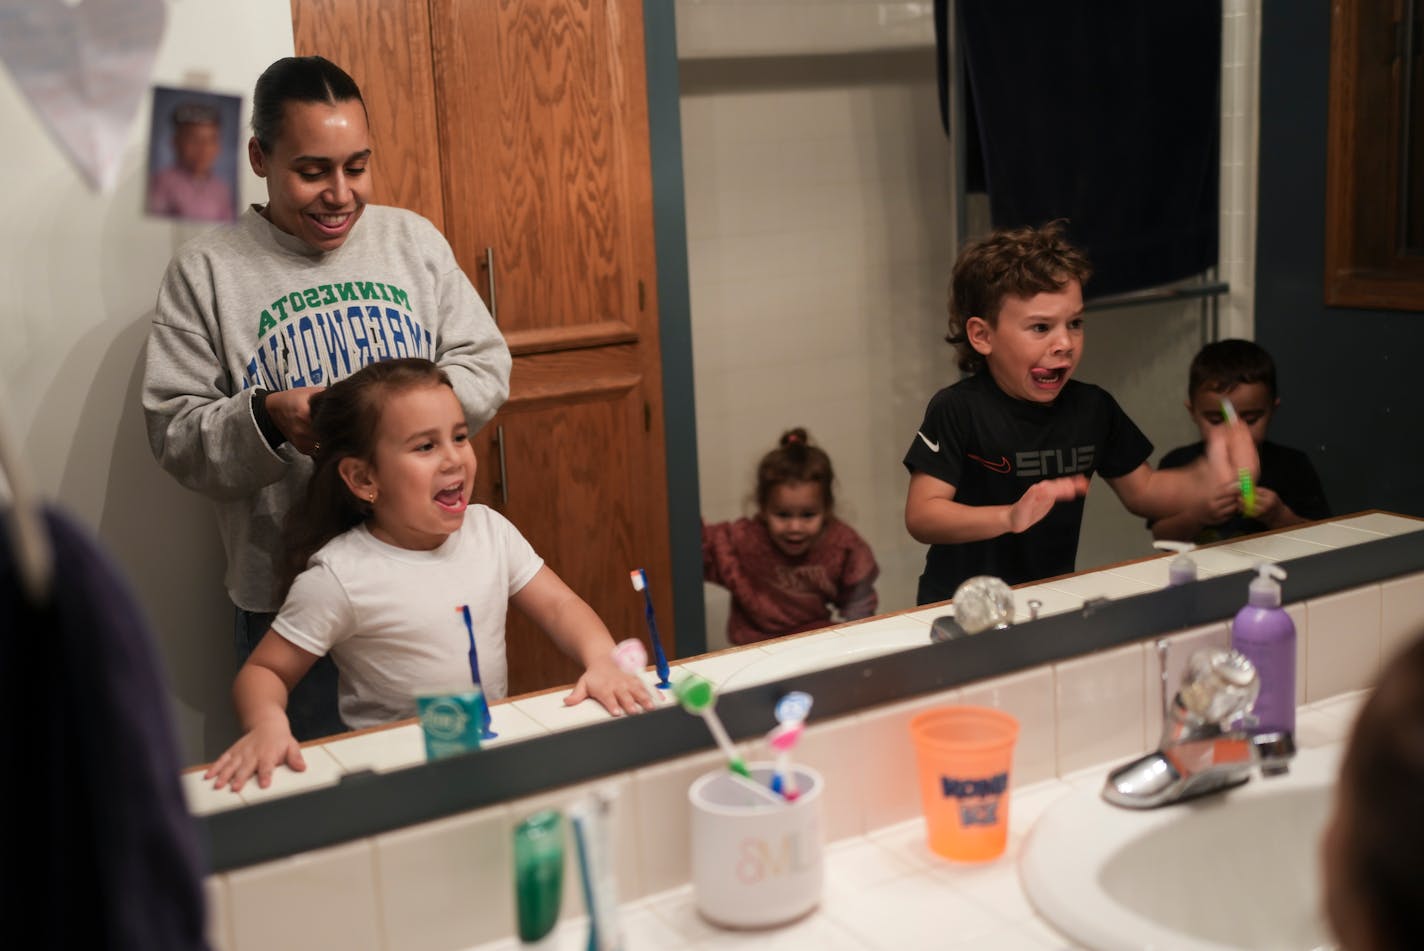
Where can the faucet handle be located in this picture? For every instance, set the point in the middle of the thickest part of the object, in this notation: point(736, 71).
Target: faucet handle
point(1219, 686)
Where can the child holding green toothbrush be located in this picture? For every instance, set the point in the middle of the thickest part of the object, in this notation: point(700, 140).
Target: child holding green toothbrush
point(1288, 491)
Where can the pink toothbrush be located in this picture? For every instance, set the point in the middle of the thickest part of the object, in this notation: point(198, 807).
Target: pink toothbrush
point(791, 713)
point(782, 739)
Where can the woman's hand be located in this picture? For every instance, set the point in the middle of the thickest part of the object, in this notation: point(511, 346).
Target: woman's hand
point(291, 411)
point(619, 692)
point(267, 745)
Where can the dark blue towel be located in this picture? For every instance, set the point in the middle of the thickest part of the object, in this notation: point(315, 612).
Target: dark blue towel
point(99, 850)
point(1104, 113)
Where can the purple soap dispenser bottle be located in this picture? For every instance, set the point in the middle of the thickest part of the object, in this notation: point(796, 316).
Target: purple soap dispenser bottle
point(1182, 569)
point(1265, 633)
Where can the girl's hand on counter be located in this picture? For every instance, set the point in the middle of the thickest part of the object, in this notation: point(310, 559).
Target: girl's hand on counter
point(262, 749)
point(618, 692)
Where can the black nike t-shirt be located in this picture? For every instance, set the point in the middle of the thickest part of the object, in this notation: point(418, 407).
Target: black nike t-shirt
point(992, 447)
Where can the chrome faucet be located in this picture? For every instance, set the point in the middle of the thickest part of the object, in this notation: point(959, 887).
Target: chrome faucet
point(981, 603)
point(1207, 741)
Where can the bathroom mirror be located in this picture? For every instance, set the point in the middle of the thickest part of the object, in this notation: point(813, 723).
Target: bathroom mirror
point(837, 323)
point(817, 191)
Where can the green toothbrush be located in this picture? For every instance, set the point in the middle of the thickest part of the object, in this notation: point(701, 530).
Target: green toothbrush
point(1248, 485)
point(697, 696)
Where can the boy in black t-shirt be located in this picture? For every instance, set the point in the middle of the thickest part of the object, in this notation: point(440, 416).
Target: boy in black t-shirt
point(1000, 465)
point(1288, 492)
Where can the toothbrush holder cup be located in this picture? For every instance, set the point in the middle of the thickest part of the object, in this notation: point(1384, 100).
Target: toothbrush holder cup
point(756, 861)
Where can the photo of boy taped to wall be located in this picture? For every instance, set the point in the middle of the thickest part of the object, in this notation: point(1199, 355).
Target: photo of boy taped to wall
point(193, 151)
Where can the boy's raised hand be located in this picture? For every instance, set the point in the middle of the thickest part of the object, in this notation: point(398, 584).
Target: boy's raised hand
point(617, 691)
point(1034, 504)
point(1231, 444)
point(263, 748)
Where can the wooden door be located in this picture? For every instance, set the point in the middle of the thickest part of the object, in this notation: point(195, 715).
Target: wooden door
point(544, 130)
point(567, 463)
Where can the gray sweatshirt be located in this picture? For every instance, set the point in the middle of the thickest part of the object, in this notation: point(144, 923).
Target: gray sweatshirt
point(251, 306)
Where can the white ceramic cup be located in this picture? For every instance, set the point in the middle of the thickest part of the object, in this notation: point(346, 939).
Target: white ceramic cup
point(756, 862)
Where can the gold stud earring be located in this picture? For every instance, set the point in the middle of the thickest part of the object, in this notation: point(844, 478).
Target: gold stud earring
point(372, 498)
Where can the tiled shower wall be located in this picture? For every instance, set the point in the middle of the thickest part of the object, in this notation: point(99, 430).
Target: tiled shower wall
point(819, 215)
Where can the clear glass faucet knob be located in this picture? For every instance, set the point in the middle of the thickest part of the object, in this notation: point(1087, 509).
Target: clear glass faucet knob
point(1219, 685)
point(983, 602)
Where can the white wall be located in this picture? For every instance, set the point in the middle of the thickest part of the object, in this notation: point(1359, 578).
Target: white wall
point(82, 271)
point(819, 235)
point(818, 193)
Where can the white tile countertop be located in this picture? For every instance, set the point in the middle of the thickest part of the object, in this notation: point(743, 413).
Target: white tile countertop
point(402, 745)
point(886, 891)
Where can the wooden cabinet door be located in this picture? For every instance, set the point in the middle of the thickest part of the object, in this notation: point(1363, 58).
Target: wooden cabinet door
point(544, 135)
point(568, 463)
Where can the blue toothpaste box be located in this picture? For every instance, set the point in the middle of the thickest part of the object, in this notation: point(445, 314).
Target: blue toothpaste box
point(451, 721)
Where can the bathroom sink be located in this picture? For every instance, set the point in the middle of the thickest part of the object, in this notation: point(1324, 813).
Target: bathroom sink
point(1238, 869)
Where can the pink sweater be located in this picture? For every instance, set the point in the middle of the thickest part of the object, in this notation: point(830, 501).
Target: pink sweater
point(773, 594)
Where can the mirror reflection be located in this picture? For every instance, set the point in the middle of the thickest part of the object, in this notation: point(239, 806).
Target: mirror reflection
point(820, 202)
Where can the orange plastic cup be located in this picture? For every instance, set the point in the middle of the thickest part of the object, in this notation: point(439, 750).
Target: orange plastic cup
point(964, 755)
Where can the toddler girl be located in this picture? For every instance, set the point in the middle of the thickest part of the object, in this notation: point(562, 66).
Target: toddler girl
point(394, 562)
point(785, 566)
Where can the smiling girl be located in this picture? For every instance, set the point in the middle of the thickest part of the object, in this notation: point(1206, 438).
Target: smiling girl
point(787, 567)
point(386, 551)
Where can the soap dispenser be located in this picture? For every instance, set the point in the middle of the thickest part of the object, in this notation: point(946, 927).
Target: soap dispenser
point(1265, 633)
point(1182, 569)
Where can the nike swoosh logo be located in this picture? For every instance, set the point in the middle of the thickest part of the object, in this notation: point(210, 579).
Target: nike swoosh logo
point(934, 446)
point(1001, 466)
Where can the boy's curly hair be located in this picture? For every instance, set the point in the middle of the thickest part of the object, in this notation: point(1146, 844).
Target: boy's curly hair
point(1018, 262)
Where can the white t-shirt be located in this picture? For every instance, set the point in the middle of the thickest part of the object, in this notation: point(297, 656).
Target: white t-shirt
point(391, 618)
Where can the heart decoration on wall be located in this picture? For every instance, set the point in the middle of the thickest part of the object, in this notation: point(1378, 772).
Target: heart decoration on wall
point(84, 66)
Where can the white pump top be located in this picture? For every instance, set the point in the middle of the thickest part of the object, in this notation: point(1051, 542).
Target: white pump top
point(1265, 589)
point(1182, 568)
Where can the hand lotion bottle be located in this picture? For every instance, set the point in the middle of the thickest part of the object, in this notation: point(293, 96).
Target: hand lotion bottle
point(1182, 569)
point(1265, 633)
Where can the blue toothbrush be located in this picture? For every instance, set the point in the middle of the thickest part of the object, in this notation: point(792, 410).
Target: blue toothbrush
point(640, 583)
point(485, 732)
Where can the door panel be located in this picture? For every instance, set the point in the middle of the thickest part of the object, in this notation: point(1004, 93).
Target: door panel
point(544, 127)
point(573, 488)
